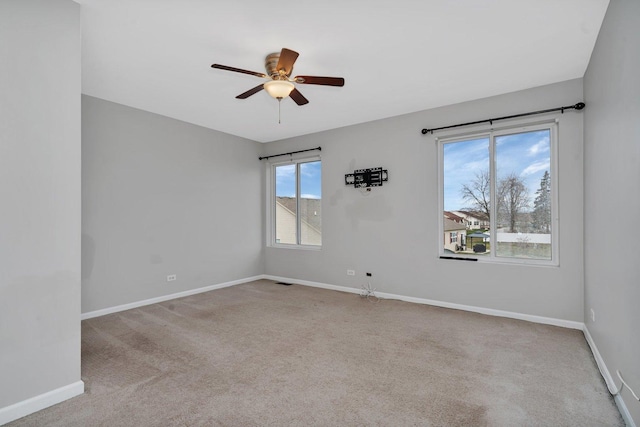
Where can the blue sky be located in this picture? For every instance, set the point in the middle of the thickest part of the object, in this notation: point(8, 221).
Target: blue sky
point(525, 154)
point(310, 180)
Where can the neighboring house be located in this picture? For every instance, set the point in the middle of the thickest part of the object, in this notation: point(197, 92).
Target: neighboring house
point(475, 220)
point(453, 217)
point(455, 235)
point(311, 224)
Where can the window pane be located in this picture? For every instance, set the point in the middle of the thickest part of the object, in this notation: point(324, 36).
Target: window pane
point(467, 195)
point(286, 206)
point(310, 203)
point(523, 192)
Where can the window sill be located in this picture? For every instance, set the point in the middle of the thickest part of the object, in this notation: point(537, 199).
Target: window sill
point(501, 261)
point(299, 247)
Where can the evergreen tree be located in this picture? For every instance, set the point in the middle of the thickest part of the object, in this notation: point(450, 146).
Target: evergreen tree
point(542, 205)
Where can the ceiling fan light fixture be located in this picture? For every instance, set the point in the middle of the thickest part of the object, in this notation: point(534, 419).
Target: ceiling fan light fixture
point(279, 89)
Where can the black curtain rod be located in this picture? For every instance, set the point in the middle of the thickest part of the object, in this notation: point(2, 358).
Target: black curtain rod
point(578, 106)
point(288, 154)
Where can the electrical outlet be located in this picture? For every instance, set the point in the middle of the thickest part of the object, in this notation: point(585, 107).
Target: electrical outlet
point(171, 277)
point(593, 315)
point(351, 272)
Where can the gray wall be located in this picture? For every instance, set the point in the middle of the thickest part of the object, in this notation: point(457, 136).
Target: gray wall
point(612, 193)
point(40, 188)
point(160, 197)
point(393, 232)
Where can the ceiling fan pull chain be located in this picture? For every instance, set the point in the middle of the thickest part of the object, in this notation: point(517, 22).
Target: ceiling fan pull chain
point(279, 101)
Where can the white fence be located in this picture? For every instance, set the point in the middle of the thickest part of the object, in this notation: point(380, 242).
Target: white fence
point(523, 238)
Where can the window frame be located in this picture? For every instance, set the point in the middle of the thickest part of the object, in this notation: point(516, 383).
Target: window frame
point(491, 134)
point(271, 203)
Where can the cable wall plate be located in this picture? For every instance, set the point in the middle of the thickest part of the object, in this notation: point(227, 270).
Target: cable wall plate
point(364, 178)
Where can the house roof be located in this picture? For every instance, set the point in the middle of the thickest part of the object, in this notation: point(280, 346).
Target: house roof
point(453, 226)
point(474, 214)
point(453, 216)
point(310, 210)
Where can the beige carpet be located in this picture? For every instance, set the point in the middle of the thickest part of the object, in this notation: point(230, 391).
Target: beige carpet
point(263, 354)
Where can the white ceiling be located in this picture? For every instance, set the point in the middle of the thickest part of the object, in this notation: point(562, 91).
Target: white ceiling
point(396, 56)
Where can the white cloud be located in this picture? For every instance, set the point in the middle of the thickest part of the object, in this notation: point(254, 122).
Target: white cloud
point(285, 170)
point(535, 167)
point(310, 172)
point(286, 174)
point(476, 166)
point(309, 196)
point(541, 146)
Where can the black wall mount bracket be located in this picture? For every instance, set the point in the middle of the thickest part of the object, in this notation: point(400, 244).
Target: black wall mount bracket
point(365, 178)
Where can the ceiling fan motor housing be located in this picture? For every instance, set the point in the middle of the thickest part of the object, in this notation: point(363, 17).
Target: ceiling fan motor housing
point(270, 64)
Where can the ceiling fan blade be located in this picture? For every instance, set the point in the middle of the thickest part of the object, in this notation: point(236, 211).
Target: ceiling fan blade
point(238, 70)
point(250, 92)
point(287, 59)
point(316, 80)
point(298, 98)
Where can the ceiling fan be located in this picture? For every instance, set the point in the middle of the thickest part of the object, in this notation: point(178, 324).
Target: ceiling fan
point(280, 85)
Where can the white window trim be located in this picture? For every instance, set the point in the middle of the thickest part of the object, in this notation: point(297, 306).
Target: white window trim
point(515, 127)
point(271, 203)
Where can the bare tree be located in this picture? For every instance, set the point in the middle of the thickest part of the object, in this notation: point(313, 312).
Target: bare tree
point(478, 192)
point(513, 199)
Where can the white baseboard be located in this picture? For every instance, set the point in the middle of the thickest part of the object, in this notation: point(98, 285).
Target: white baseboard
point(489, 311)
point(129, 306)
point(500, 313)
point(312, 284)
point(611, 385)
point(37, 403)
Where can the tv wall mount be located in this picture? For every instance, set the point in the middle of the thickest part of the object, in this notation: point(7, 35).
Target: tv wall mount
point(367, 178)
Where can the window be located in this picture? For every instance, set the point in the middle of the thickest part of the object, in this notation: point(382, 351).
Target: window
point(506, 179)
point(296, 203)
